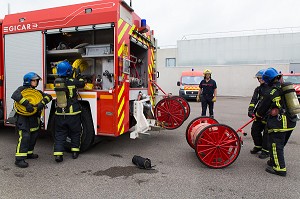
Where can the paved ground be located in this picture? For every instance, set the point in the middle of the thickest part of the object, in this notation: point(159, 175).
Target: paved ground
point(106, 170)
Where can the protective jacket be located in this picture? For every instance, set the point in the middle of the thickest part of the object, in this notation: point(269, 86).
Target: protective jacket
point(258, 96)
point(274, 108)
point(27, 126)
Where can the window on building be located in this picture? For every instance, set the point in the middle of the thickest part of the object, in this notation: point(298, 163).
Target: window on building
point(170, 62)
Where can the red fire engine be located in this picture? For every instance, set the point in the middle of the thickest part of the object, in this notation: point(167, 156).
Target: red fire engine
point(119, 52)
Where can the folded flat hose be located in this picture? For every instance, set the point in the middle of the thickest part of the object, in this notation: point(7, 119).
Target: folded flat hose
point(33, 96)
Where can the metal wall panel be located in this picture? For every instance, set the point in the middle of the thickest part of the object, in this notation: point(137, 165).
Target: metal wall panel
point(255, 49)
point(23, 54)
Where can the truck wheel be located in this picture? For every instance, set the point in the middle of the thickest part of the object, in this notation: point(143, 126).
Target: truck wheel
point(87, 130)
point(88, 133)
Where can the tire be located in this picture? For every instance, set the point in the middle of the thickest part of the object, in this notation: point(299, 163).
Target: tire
point(88, 133)
point(87, 130)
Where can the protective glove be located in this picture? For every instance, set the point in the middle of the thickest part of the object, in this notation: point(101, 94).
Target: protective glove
point(29, 108)
point(198, 98)
point(214, 99)
point(40, 106)
point(251, 114)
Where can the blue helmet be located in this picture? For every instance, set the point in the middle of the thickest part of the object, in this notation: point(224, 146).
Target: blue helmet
point(260, 73)
point(29, 77)
point(269, 75)
point(64, 69)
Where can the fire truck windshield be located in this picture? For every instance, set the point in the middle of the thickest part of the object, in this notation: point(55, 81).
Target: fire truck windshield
point(191, 80)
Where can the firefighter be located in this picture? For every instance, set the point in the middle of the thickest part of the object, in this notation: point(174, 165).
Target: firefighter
point(28, 121)
point(68, 111)
point(280, 122)
point(260, 139)
point(207, 93)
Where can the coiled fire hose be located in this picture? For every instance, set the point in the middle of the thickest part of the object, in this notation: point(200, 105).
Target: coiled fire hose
point(33, 96)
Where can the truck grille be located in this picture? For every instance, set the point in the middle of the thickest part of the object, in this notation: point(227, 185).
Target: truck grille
point(192, 92)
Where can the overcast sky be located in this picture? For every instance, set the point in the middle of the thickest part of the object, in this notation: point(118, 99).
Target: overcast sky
point(174, 20)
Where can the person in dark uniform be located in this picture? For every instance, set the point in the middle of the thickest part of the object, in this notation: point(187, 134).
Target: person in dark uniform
point(68, 111)
point(28, 120)
point(260, 139)
point(280, 123)
point(207, 93)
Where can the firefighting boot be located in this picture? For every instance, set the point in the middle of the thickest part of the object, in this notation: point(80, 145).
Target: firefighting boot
point(32, 156)
point(255, 150)
point(272, 171)
point(269, 163)
point(75, 155)
point(264, 155)
point(21, 163)
point(59, 158)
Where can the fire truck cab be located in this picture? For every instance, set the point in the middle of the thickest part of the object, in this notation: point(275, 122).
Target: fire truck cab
point(119, 50)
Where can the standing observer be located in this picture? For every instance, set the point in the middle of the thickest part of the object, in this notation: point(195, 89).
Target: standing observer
point(207, 93)
point(68, 111)
point(29, 103)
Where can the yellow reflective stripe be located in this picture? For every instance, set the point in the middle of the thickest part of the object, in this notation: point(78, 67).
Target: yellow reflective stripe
point(259, 147)
point(122, 32)
point(121, 120)
point(22, 100)
point(280, 130)
point(71, 109)
point(21, 154)
point(251, 105)
point(122, 130)
point(58, 153)
point(34, 129)
point(265, 150)
point(19, 142)
point(277, 101)
point(30, 152)
point(71, 90)
point(120, 22)
point(121, 92)
point(47, 98)
point(275, 157)
point(121, 49)
point(74, 113)
point(121, 106)
point(284, 122)
point(75, 149)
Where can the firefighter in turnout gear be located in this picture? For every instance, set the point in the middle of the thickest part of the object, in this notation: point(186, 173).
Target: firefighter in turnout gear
point(29, 104)
point(68, 111)
point(280, 123)
point(259, 135)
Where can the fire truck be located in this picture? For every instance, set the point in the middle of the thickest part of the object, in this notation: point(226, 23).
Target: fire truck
point(119, 52)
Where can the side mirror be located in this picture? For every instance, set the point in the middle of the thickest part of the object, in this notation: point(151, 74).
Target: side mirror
point(178, 83)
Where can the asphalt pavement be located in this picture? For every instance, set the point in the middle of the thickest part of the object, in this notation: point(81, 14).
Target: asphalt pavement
point(106, 170)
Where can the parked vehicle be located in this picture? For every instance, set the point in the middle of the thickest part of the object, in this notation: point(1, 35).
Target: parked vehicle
point(295, 79)
point(189, 84)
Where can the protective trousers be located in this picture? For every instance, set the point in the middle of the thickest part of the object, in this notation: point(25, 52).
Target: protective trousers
point(277, 141)
point(67, 125)
point(260, 135)
point(27, 128)
point(207, 100)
